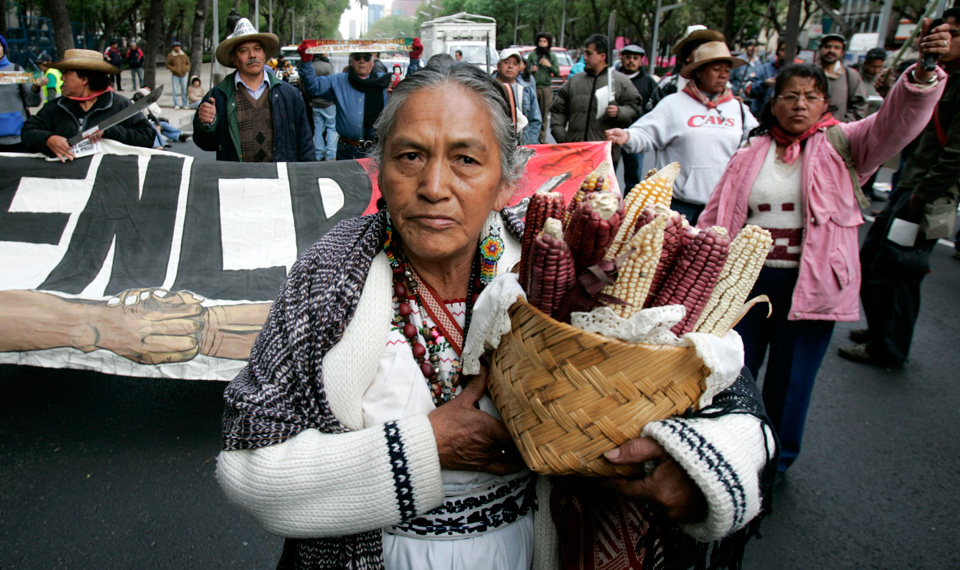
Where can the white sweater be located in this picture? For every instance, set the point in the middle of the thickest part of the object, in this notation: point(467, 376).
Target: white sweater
point(682, 129)
point(317, 484)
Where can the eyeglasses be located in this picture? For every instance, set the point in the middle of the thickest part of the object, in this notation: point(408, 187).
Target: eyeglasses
point(363, 56)
point(793, 98)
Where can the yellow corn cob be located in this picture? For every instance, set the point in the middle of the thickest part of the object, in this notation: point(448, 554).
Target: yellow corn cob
point(636, 274)
point(656, 189)
point(744, 261)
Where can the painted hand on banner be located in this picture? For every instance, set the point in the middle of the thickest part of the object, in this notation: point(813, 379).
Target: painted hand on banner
point(150, 326)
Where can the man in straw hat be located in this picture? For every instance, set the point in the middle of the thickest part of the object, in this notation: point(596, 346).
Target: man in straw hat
point(87, 99)
point(360, 95)
point(700, 127)
point(252, 116)
point(696, 36)
point(847, 92)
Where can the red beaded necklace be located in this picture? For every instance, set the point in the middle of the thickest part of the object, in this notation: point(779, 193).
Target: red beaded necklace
point(409, 286)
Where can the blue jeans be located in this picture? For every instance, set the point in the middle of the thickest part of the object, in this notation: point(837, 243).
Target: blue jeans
point(135, 74)
point(325, 132)
point(796, 348)
point(632, 167)
point(169, 131)
point(180, 87)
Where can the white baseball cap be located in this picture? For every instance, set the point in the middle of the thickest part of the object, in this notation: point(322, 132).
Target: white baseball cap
point(504, 54)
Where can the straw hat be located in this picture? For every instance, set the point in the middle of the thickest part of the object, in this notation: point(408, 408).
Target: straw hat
point(245, 32)
point(85, 59)
point(708, 53)
point(700, 35)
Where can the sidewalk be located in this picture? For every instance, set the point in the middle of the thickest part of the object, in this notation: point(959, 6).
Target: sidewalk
point(180, 118)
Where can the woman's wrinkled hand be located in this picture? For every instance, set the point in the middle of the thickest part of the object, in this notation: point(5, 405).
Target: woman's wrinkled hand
point(668, 490)
point(471, 439)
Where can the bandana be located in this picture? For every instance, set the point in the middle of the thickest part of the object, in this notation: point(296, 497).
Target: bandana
point(793, 141)
point(693, 91)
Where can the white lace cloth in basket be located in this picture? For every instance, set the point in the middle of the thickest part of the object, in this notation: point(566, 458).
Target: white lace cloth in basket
point(491, 320)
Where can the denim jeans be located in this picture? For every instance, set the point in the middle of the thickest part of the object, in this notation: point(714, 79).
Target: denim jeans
point(632, 167)
point(169, 131)
point(180, 87)
point(135, 74)
point(325, 132)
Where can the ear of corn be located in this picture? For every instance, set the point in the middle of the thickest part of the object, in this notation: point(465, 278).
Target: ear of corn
point(747, 254)
point(551, 270)
point(591, 228)
point(701, 258)
point(636, 273)
point(542, 205)
point(671, 244)
point(594, 182)
point(655, 189)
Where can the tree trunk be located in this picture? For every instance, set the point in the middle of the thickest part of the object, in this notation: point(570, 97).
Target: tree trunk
point(62, 31)
point(154, 32)
point(110, 24)
point(793, 29)
point(196, 37)
point(729, 32)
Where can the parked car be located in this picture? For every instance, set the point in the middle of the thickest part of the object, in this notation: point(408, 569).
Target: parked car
point(563, 57)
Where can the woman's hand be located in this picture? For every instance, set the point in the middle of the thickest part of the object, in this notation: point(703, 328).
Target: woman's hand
point(471, 439)
point(668, 491)
point(617, 136)
point(59, 147)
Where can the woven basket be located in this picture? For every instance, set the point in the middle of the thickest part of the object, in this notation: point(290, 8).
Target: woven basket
point(567, 396)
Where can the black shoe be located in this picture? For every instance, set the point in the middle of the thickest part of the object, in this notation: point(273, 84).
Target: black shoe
point(184, 137)
point(860, 336)
point(858, 353)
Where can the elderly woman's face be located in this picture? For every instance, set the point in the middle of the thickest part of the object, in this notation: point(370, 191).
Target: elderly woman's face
point(799, 105)
point(441, 174)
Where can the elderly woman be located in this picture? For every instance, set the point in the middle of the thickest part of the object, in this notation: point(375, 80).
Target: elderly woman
point(792, 179)
point(351, 431)
point(86, 100)
point(700, 127)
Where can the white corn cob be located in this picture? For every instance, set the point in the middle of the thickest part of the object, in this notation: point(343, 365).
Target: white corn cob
point(655, 189)
point(636, 274)
point(744, 261)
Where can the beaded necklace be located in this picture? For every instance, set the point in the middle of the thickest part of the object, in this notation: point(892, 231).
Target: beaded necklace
point(409, 286)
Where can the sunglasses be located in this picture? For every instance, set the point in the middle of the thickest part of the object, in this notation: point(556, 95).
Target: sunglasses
point(361, 56)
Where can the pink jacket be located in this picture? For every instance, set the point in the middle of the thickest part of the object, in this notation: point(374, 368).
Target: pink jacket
point(828, 285)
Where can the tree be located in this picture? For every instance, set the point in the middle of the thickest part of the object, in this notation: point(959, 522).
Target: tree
point(393, 27)
point(154, 43)
point(196, 37)
point(62, 30)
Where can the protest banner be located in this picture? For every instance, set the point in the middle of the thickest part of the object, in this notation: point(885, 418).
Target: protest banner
point(142, 263)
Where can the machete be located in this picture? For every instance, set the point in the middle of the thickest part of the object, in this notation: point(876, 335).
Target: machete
point(610, 23)
point(117, 117)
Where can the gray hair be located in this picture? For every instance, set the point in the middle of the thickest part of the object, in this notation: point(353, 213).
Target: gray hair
point(487, 91)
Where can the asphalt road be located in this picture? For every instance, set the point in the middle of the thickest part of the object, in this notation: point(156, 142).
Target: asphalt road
point(102, 472)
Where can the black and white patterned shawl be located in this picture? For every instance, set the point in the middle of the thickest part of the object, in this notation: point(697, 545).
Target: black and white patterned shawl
point(280, 393)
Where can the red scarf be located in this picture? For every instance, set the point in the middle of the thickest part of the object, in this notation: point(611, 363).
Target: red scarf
point(692, 90)
point(89, 97)
point(793, 141)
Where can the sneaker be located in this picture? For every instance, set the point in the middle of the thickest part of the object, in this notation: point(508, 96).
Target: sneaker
point(860, 336)
point(177, 107)
point(858, 353)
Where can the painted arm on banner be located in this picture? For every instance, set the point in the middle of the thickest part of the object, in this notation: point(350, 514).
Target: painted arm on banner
point(147, 326)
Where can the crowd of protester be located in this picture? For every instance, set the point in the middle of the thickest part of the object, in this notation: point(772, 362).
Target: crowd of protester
point(791, 147)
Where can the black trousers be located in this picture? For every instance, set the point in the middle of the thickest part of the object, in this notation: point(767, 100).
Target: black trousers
point(890, 286)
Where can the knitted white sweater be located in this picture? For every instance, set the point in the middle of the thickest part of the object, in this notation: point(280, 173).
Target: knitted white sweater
point(317, 484)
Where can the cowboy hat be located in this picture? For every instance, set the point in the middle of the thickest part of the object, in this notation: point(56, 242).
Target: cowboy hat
point(85, 59)
point(708, 53)
point(245, 32)
point(700, 35)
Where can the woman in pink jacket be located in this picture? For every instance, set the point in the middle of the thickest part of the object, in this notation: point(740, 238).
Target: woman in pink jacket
point(791, 180)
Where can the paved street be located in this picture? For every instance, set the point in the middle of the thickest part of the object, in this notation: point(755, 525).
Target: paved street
point(103, 472)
